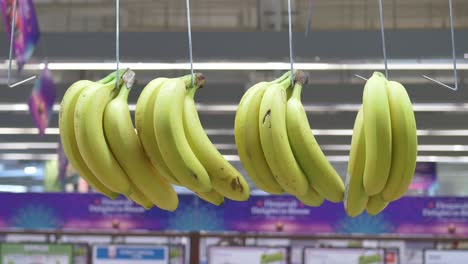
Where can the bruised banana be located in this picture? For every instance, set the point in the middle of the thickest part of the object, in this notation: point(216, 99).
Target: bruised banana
point(127, 149)
point(247, 136)
point(274, 138)
point(224, 177)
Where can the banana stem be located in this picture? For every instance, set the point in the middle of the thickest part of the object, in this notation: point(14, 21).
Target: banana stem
point(301, 77)
point(111, 77)
point(128, 78)
point(297, 89)
point(199, 80)
point(283, 77)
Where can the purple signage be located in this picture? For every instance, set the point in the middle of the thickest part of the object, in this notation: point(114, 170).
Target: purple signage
point(26, 35)
point(285, 214)
point(41, 101)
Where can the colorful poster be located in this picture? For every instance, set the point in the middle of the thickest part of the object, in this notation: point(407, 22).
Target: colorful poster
point(344, 256)
point(26, 35)
point(434, 256)
point(36, 253)
point(281, 214)
point(42, 100)
point(124, 254)
point(425, 178)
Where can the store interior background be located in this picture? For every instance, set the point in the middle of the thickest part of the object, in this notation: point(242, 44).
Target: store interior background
point(341, 33)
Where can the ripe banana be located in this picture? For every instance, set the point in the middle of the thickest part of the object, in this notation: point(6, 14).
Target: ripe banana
point(224, 177)
point(212, 197)
point(171, 138)
point(311, 198)
point(68, 137)
point(376, 205)
point(355, 198)
point(378, 134)
point(404, 143)
point(307, 152)
point(88, 126)
point(128, 151)
point(247, 136)
point(139, 198)
point(274, 139)
point(144, 122)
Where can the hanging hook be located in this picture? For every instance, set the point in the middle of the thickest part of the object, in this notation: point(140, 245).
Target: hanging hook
point(12, 34)
point(189, 33)
point(384, 47)
point(117, 41)
point(309, 18)
point(291, 55)
point(455, 73)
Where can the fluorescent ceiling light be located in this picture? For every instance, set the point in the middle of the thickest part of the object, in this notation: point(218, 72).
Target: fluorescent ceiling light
point(30, 170)
point(311, 108)
point(28, 145)
point(248, 66)
point(13, 188)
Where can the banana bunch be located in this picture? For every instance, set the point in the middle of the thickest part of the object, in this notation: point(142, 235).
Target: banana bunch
point(168, 147)
point(100, 142)
point(276, 146)
point(383, 148)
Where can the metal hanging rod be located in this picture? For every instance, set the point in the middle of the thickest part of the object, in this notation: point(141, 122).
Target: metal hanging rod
point(12, 34)
point(455, 72)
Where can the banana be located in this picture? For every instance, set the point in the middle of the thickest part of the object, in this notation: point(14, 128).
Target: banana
point(128, 151)
point(404, 143)
point(144, 122)
point(311, 198)
point(171, 138)
point(68, 137)
point(376, 205)
point(139, 198)
point(355, 198)
point(378, 134)
point(307, 152)
point(224, 177)
point(212, 197)
point(247, 136)
point(274, 139)
point(88, 126)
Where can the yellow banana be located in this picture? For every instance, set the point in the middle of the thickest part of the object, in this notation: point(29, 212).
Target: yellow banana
point(376, 205)
point(307, 152)
point(171, 138)
point(311, 198)
point(404, 143)
point(128, 151)
point(355, 198)
point(144, 122)
point(212, 197)
point(88, 126)
point(224, 177)
point(68, 138)
point(275, 143)
point(248, 143)
point(378, 134)
point(139, 198)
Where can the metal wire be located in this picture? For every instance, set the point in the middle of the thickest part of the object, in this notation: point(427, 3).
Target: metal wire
point(382, 32)
point(291, 55)
point(455, 72)
point(12, 34)
point(189, 32)
point(309, 18)
point(117, 40)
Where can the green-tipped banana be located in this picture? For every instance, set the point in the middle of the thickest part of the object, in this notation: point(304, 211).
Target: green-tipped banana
point(404, 143)
point(224, 177)
point(378, 134)
point(355, 200)
point(212, 197)
point(144, 122)
point(311, 198)
point(130, 154)
point(247, 135)
point(311, 158)
point(171, 138)
point(376, 205)
point(275, 143)
point(92, 144)
point(68, 138)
